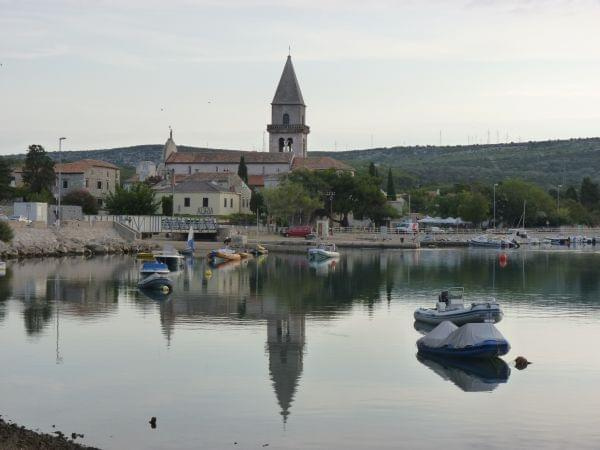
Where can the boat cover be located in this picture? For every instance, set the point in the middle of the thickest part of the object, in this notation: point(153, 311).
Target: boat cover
point(473, 334)
point(439, 334)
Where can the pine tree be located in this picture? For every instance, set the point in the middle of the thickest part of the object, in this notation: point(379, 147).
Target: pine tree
point(243, 170)
point(391, 190)
point(38, 171)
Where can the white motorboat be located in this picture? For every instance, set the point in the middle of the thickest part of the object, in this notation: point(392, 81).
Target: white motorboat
point(485, 240)
point(322, 252)
point(156, 281)
point(450, 307)
point(152, 267)
point(173, 260)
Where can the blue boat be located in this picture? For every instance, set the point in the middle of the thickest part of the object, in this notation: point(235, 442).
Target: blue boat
point(148, 268)
point(472, 340)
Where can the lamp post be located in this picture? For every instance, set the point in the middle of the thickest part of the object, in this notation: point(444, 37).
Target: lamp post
point(495, 185)
point(172, 193)
point(60, 177)
point(558, 204)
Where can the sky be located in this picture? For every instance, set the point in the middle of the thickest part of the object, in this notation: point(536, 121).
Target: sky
point(111, 73)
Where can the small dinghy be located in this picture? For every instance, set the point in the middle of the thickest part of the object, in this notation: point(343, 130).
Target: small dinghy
point(149, 268)
point(322, 252)
point(156, 281)
point(450, 307)
point(223, 255)
point(472, 340)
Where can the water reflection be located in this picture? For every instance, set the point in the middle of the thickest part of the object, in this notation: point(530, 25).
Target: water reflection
point(470, 375)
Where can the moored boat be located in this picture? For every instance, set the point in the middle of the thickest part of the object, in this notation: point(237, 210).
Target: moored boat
point(322, 252)
point(450, 306)
point(2, 267)
point(224, 254)
point(189, 250)
point(173, 260)
point(472, 340)
point(485, 240)
point(156, 281)
point(149, 268)
point(145, 256)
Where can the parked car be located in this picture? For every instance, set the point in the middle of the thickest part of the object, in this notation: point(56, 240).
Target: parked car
point(19, 219)
point(297, 231)
point(407, 227)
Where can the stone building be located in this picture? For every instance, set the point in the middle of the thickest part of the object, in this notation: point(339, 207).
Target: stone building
point(288, 131)
point(99, 178)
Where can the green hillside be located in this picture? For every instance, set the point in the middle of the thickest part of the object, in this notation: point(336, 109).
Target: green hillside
point(547, 162)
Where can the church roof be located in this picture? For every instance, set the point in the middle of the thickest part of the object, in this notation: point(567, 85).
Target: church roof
point(288, 90)
point(229, 157)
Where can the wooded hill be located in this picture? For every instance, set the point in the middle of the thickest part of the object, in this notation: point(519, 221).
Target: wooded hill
point(547, 163)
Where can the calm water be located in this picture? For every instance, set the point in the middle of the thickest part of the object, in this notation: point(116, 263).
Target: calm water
point(276, 351)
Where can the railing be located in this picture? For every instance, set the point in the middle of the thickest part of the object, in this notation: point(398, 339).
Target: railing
point(159, 224)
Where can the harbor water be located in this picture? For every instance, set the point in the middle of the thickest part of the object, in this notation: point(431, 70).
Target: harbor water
point(293, 354)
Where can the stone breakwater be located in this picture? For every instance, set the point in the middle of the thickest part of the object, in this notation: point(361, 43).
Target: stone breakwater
point(31, 242)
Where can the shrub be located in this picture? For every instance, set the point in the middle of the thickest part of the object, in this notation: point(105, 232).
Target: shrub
point(83, 198)
point(6, 232)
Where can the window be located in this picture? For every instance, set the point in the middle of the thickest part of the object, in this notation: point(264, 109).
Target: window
point(263, 169)
point(99, 202)
point(231, 203)
point(87, 183)
point(205, 202)
point(225, 203)
point(281, 144)
point(99, 184)
point(189, 170)
point(107, 174)
point(216, 168)
point(286, 119)
point(290, 141)
point(186, 202)
point(65, 184)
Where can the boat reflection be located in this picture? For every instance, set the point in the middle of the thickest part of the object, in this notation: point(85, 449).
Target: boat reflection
point(324, 267)
point(470, 375)
point(423, 327)
point(156, 295)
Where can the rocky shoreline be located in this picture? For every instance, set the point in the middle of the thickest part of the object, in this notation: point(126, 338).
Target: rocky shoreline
point(31, 242)
point(13, 436)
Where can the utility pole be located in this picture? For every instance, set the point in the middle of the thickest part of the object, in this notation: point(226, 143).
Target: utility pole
point(172, 193)
point(495, 185)
point(60, 177)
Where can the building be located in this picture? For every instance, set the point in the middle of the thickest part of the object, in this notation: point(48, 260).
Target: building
point(208, 194)
point(16, 177)
point(99, 178)
point(288, 131)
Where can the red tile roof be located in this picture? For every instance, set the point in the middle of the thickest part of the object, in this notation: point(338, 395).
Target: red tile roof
point(256, 180)
point(83, 165)
point(320, 163)
point(228, 157)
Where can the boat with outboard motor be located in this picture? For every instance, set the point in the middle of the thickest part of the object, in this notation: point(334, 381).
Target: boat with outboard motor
point(472, 340)
point(224, 254)
point(450, 306)
point(156, 281)
point(322, 252)
point(152, 267)
point(173, 260)
point(485, 240)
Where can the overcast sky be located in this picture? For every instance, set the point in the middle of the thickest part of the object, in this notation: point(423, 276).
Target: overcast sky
point(109, 73)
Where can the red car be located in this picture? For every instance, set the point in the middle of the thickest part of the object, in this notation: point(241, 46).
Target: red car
point(297, 231)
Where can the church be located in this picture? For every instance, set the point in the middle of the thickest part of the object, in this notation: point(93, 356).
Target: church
point(288, 144)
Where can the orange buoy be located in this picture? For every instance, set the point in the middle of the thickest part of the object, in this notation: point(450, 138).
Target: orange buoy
point(503, 260)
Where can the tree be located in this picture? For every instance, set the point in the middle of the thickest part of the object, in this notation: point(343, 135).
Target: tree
point(290, 202)
point(391, 190)
point(139, 200)
point(167, 205)
point(243, 170)
point(373, 170)
point(81, 197)
point(38, 171)
point(589, 193)
point(5, 178)
point(571, 193)
point(473, 207)
point(6, 232)
point(510, 197)
point(257, 201)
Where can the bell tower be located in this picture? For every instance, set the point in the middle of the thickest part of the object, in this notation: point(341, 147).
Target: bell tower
point(288, 131)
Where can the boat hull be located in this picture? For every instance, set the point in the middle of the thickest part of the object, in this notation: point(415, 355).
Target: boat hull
point(487, 349)
point(460, 317)
point(321, 255)
point(156, 282)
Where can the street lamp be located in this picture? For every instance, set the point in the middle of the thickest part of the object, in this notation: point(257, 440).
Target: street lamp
point(59, 176)
point(495, 185)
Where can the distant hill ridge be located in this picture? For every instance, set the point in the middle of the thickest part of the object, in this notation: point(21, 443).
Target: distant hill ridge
point(545, 162)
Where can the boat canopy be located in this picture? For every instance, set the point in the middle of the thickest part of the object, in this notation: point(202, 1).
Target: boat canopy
point(439, 334)
point(473, 334)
